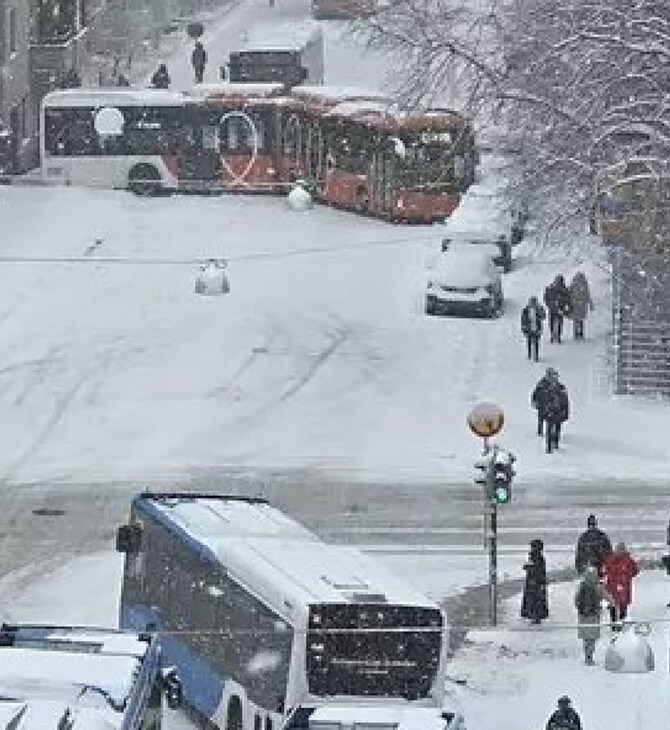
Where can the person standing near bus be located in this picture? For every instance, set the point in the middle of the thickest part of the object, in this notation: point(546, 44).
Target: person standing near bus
point(161, 77)
point(199, 61)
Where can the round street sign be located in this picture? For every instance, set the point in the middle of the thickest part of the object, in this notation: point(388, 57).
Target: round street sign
point(486, 419)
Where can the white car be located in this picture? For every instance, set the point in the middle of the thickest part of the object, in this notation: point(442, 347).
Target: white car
point(465, 281)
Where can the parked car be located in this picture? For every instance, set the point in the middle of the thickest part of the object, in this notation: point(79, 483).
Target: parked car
point(465, 281)
point(496, 245)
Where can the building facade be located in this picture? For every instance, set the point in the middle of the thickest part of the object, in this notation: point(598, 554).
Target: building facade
point(17, 119)
point(46, 44)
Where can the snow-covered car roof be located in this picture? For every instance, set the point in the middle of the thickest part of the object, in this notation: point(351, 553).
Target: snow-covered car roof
point(465, 267)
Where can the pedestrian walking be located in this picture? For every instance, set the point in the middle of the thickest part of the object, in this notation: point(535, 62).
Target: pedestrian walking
point(532, 317)
point(593, 546)
point(619, 568)
point(588, 602)
point(564, 717)
point(161, 77)
point(538, 399)
point(199, 61)
point(558, 411)
point(534, 604)
point(580, 303)
point(557, 299)
point(550, 398)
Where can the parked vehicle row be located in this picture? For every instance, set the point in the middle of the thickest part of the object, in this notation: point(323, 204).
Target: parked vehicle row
point(477, 246)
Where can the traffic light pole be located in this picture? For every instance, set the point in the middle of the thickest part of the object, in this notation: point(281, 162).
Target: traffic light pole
point(493, 563)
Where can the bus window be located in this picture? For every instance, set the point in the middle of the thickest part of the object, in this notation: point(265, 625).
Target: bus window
point(70, 132)
point(268, 723)
point(258, 722)
point(237, 133)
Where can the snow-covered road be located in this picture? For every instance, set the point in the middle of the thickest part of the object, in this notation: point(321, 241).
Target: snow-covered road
point(320, 358)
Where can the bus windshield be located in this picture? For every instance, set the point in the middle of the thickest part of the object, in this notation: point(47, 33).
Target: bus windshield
point(427, 164)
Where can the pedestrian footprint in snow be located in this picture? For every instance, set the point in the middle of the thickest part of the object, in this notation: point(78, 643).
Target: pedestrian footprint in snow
point(534, 604)
point(532, 317)
point(565, 717)
point(588, 602)
point(593, 546)
point(619, 568)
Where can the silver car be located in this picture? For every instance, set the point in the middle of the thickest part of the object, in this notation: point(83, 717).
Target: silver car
point(465, 281)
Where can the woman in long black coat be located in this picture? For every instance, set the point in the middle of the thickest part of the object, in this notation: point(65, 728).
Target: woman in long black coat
point(534, 605)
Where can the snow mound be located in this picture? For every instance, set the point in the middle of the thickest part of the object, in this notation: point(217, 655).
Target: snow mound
point(629, 653)
point(212, 279)
point(299, 199)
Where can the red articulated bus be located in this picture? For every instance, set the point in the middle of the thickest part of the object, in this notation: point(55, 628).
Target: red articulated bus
point(355, 149)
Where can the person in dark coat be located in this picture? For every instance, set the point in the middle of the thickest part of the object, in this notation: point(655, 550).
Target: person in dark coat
point(538, 399)
point(550, 398)
point(619, 569)
point(199, 61)
point(557, 410)
point(588, 601)
point(161, 77)
point(557, 299)
point(534, 604)
point(565, 717)
point(593, 546)
point(532, 316)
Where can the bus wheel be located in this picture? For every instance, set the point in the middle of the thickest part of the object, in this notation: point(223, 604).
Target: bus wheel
point(234, 714)
point(144, 180)
point(362, 199)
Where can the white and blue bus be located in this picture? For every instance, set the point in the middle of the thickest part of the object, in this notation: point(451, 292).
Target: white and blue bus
point(82, 678)
point(265, 622)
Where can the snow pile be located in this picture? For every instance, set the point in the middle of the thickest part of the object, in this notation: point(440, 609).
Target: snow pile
point(299, 199)
point(629, 653)
point(212, 279)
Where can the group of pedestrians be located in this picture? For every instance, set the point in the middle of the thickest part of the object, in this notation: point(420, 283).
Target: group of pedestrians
point(550, 397)
point(605, 576)
point(161, 76)
point(561, 301)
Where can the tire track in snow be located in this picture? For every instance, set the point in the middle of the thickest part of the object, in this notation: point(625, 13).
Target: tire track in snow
point(46, 431)
point(244, 367)
point(288, 388)
point(317, 363)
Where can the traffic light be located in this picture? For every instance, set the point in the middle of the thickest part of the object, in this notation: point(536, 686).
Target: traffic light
point(484, 472)
point(503, 473)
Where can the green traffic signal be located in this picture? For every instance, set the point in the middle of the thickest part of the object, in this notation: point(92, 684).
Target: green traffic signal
point(501, 493)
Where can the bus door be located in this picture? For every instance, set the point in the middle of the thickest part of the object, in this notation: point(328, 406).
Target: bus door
point(291, 147)
point(315, 155)
point(381, 180)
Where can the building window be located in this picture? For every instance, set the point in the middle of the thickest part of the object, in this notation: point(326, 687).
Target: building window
point(13, 20)
point(56, 20)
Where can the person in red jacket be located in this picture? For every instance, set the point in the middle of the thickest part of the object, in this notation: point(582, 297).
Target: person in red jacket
point(619, 569)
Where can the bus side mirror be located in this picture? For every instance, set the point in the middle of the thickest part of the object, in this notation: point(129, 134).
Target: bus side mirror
point(172, 688)
point(128, 539)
